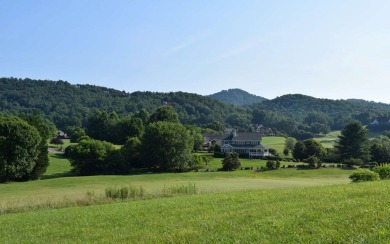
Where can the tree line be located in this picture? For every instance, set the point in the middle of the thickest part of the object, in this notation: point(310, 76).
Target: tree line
point(352, 148)
point(24, 147)
point(157, 142)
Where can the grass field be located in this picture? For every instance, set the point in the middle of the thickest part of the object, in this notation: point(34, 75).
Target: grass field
point(286, 205)
point(58, 183)
point(352, 213)
point(275, 142)
point(329, 139)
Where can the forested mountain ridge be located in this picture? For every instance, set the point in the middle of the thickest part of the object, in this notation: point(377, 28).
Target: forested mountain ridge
point(369, 103)
point(296, 105)
point(237, 97)
point(72, 105)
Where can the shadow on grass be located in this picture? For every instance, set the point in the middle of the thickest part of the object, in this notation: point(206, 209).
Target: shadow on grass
point(57, 175)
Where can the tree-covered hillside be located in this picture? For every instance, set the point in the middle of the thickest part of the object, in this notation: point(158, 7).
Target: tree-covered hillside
point(73, 105)
point(298, 106)
point(70, 105)
point(237, 97)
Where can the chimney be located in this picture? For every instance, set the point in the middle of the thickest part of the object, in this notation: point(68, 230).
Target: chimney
point(234, 133)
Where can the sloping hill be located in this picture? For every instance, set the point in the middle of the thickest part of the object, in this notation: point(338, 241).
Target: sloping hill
point(297, 106)
point(237, 97)
point(66, 104)
point(71, 105)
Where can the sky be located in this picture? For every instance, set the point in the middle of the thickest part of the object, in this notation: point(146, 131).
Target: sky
point(335, 49)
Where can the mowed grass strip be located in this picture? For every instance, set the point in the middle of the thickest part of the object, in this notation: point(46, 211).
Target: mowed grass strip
point(20, 194)
point(353, 213)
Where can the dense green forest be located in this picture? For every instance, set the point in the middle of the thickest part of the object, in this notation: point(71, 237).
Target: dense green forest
point(237, 97)
point(71, 105)
point(67, 105)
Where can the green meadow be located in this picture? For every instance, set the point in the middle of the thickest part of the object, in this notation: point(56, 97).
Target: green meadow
point(329, 139)
point(289, 205)
point(351, 213)
point(58, 183)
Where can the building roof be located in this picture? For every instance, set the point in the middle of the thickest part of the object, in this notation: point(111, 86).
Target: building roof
point(243, 136)
point(214, 137)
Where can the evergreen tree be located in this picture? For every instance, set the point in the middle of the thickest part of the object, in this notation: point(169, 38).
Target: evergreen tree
point(46, 129)
point(353, 143)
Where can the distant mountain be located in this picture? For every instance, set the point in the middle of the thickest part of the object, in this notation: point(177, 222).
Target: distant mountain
point(298, 106)
point(237, 97)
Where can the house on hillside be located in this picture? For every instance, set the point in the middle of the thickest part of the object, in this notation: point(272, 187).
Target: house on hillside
point(264, 131)
point(244, 143)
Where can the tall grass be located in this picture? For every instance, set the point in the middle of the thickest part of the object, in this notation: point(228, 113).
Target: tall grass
point(125, 192)
point(112, 194)
point(180, 190)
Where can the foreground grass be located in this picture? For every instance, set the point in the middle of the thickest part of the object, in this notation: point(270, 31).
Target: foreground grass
point(22, 194)
point(353, 213)
point(58, 188)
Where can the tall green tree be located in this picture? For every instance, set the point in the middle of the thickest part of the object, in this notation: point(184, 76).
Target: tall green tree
point(164, 113)
point(290, 143)
point(46, 130)
point(19, 148)
point(131, 152)
point(313, 148)
point(196, 135)
point(166, 146)
point(380, 150)
point(353, 143)
point(299, 151)
point(129, 127)
point(102, 126)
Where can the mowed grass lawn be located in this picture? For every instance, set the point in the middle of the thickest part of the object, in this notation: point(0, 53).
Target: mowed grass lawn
point(58, 184)
point(352, 213)
point(329, 139)
point(275, 142)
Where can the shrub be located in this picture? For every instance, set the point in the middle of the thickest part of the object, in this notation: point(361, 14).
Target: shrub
point(231, 162)
point(273, 151)
point(219, 155)
point(313, 162)
point(272, 158)
point(383, 171)
point(354, 161)
point(273, 164)
point(56, 141)
point(360, 175)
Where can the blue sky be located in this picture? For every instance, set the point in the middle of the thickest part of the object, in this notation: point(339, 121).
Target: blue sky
point(334, 49)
